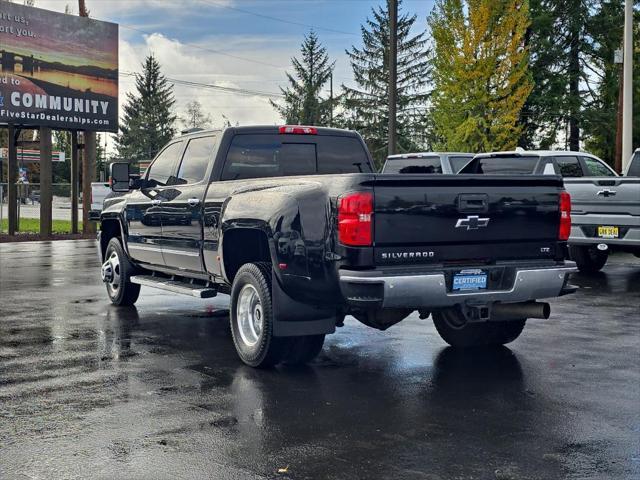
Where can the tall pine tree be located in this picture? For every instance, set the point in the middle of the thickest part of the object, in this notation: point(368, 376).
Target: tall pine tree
point(480, 73)
point(365, 107)
point(561, 46)
point(148, 120)
point(303, 102)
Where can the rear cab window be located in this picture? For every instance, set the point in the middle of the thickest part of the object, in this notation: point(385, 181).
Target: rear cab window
point(195, 160)
point(274, 155)
point(569, 166)
point(428, 165)
point(503, 165)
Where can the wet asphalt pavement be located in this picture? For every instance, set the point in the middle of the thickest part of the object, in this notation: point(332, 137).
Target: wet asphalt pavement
point(92, 391)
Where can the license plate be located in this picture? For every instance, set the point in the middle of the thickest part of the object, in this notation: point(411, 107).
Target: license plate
point(608, 232)
point(470, 280)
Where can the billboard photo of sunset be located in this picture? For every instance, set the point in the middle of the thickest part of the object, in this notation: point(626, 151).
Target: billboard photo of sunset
point(57, 70)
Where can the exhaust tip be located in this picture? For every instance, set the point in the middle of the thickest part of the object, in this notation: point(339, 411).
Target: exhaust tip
point(546, 311)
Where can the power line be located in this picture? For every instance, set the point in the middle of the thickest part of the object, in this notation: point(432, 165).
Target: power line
point(239, 91)
point(277, 19)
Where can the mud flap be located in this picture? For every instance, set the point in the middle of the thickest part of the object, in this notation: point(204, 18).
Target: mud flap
point(292, 318)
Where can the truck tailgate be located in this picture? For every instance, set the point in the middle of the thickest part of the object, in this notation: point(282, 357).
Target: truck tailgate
point(610, 195)
point(462, 218)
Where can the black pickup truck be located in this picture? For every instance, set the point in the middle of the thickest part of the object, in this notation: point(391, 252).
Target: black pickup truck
point(293, 223)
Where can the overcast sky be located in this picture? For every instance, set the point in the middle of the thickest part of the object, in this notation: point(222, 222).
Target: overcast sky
point(245, 44)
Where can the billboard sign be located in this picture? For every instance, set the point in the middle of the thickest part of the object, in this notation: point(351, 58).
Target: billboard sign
point(57, 70)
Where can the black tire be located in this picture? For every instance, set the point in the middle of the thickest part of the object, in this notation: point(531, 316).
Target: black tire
point(302, 350)
point(453, 328)
point(264, 350)
point(123, 292)
point(588, 259)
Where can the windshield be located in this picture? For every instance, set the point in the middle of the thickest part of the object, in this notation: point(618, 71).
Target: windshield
point(413, 165)
point(507, 165)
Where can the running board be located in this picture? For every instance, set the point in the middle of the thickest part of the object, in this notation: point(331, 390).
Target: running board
point(175, 286)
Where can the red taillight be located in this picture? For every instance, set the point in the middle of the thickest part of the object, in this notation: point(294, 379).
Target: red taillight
point(298, 130)
point(355, 215)
point(565, 216)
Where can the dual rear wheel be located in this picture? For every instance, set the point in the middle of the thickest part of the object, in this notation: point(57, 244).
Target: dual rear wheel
point(252, 323)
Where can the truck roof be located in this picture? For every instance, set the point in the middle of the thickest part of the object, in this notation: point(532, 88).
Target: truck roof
point(530, 153)
point(424, 154)
point(268, 129)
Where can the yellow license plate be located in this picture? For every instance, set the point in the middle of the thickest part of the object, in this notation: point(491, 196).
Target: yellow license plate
point(608, 232)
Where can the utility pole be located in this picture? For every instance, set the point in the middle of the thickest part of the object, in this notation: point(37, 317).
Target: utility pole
point(393, 73)
point(627, 101)
point(617, 158)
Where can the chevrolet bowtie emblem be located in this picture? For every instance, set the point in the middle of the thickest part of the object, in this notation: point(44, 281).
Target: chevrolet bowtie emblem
point(472, 222)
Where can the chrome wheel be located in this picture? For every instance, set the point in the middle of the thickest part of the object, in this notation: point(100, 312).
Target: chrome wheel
point(110, 273)
point(249, 315)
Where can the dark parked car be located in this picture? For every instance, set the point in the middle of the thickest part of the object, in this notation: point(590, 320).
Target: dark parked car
point(293, 223)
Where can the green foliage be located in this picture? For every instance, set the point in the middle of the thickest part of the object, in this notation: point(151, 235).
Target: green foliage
point(600, 122)
point(365, 107)
point(480, 74)
point(303, 103)
point(148, 120)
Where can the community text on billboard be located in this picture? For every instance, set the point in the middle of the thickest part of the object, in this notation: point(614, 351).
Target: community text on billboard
point(57, 70)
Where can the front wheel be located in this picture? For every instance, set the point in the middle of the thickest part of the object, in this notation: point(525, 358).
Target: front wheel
point(587, 258)
point(457, 332)
point(115, 273)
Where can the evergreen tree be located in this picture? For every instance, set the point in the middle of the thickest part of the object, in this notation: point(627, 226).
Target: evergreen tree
point(600, 114)
point(543, 114)
point(148, 120)
point(303, 102)
point(561, 48)
point(480, 74)
point(365, 107)
point(194, 117)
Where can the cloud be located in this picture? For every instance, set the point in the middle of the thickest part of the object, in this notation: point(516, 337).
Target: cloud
point(184, 62)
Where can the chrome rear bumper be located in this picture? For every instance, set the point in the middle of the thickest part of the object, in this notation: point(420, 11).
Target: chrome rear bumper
point(430, 290)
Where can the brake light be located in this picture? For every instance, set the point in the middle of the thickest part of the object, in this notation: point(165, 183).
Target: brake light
point(298, 130)
point(355, 214)
point(565, 216)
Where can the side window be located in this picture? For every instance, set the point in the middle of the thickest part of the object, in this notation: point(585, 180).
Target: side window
point(195, 160)
point(569, 166)
point(163, 167)
point(596, 168)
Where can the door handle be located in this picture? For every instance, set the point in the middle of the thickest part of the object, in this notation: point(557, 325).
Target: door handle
point(156, 201)
point(193, 202)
